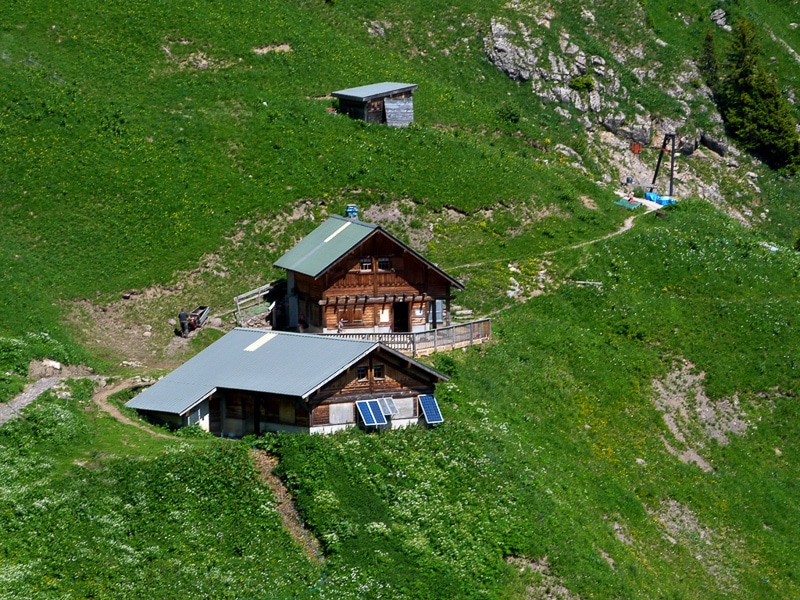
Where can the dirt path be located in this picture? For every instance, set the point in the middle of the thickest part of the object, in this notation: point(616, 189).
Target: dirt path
point(104, 393)
point(265, 464)
point(626, 225)
point(9, 410)
point(289, 515)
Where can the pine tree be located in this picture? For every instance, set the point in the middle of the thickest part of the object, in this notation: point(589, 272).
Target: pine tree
point(708, 63)
point(755, 112)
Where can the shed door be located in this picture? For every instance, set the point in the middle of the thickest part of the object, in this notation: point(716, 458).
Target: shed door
point(375, 113)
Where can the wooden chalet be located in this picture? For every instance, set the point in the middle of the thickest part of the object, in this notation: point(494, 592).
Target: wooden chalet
point(388, 102)
point(361, 276)
point(251, 381)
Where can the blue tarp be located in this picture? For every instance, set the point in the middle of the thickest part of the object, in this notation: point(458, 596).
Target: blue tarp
point(662, 200)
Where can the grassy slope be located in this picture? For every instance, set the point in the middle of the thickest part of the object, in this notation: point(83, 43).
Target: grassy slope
point(152, 165)
point(553, 443)
point(93, 509)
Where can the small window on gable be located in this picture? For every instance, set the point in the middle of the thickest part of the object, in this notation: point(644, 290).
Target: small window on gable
point(384, 264)
point(366, 264)
point(362, 373)
point(377, 371)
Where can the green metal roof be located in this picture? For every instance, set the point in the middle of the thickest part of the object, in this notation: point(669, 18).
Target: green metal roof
point(374, 90)
point(325, 245)
point(337, 236)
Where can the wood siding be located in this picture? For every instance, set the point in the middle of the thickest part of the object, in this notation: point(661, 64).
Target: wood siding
point(379, 284)
point(399, 112)
point(374, 110)
point(380, 374)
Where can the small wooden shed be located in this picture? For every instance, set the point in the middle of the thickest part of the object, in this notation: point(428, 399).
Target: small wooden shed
point(388, 102)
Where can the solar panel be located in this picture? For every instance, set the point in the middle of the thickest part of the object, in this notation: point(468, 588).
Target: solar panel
point(388, 406)
point(377, 413)
point(430, 409)
point(370, 412)
point(365, 412)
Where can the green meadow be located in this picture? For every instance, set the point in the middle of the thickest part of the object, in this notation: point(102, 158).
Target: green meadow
point(634, 437)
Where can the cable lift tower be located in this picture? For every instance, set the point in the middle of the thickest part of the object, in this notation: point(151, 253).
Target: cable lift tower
point(667, 138)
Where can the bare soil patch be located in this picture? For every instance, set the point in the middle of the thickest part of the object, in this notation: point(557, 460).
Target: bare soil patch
point(692, 417)
point(398, 216)
point(681, 526)
point(199, 59)
point(549, 586)
point(38, 369)
point(272, 48)
point(138, 329)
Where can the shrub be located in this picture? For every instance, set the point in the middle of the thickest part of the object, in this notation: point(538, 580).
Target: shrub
point(509, 111)
point(583, 83)
point(192, 431)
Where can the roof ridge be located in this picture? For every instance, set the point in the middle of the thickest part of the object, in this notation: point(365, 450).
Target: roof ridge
point(305, 335)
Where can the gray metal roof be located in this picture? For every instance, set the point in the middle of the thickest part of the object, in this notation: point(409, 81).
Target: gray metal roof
point(375, 90)
point(321, 248)
point(256, 360)
point(325, 245)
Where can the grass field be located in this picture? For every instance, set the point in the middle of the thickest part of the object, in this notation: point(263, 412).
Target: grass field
point(630, 439)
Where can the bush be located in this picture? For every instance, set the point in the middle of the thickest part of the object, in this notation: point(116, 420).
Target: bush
point(192, 431)
point(584, 83)
point(509, 111)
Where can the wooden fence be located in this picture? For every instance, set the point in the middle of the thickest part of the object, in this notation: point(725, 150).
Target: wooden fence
point(252, 303)
point(426, 342)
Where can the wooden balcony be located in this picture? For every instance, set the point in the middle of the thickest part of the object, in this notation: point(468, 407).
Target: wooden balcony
point(427, 342)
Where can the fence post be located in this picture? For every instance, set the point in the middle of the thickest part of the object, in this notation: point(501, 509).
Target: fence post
point(413, 345)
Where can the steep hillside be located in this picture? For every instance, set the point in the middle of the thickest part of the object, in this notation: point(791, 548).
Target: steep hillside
point(631, 438)
point(161, 135)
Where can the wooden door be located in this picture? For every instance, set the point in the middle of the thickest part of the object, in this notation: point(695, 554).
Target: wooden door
point(400, 320)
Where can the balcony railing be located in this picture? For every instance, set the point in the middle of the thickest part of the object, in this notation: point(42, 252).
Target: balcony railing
point(426, 342)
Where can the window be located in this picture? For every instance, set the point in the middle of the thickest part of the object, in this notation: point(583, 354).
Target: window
point(366, 264)
point(352, 315)
point(384, 264)
point(362, 373)
point(377, 371)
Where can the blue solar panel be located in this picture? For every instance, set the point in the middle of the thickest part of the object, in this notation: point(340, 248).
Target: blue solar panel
point(377, 413)
point(430, 409)
point(370, 412)
point(365, 412)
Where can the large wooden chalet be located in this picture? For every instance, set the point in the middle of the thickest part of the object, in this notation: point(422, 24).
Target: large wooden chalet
point(251, 381)
point(357, 274)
